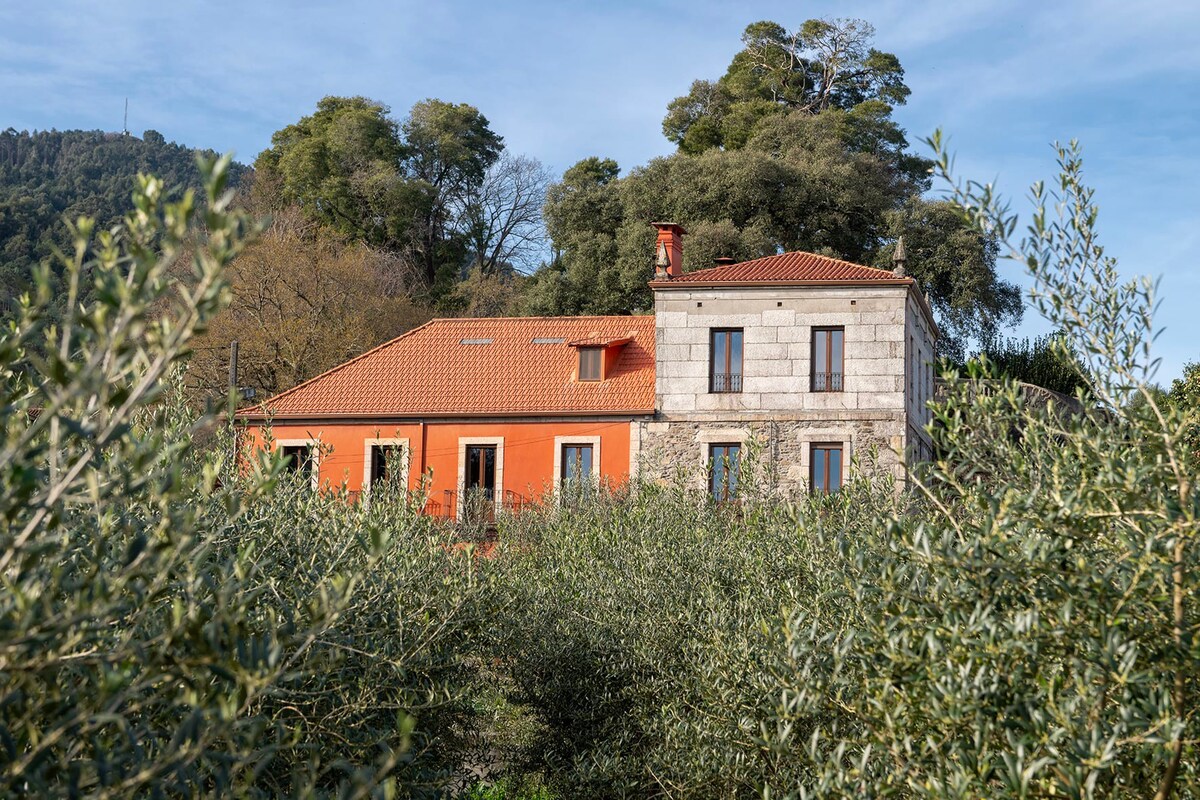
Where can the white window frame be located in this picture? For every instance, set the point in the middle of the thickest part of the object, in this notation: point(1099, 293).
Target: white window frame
point(315, 444)
point(404, 459)
point(463, 443)
point(562, 441)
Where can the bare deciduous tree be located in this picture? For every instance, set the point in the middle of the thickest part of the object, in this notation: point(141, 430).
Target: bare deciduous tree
point(502, 217)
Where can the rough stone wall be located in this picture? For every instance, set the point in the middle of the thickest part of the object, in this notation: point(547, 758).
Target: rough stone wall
point(778, 446)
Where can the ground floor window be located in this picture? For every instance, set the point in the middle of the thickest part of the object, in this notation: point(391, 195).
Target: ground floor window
point(387, 463)
point(576, 462)
point(299, 457)
point(723, 471)
point(826, 467)
point(481, 470)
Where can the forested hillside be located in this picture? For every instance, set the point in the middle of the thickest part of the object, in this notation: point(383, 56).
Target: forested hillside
point(46, 176)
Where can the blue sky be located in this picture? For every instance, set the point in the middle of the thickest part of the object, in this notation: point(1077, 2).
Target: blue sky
point(564, 80)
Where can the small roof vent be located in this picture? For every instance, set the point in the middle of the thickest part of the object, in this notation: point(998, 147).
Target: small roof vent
point(475, 341)
point(547, 340)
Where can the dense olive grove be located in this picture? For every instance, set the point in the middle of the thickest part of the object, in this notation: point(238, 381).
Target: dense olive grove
point(1018, 621)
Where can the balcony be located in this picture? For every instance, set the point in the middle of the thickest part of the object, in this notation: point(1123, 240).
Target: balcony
point(725, 382)
point(827, 382)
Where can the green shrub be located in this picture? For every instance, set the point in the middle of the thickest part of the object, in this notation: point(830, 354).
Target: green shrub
point(175, 622)
point(635, 628)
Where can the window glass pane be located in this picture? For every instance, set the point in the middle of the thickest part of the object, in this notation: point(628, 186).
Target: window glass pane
point(569, 464)
point(735, 352)
point(733, 454)
point(836, 365)
point(819, 467)
point(474, 455)
point(584, 461)
point(299, 457)
point(718, 475)
point(835, 469)
point(378, 464)
point(724, 472)
point(720, 343)
point(489, 469)
point(821, 347)
point(589, 364)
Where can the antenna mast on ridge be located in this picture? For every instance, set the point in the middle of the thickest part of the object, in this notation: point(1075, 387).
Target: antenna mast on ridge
point(125, 124)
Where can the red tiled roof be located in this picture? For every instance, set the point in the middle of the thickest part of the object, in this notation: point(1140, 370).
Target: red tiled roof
point(488, 367)
point(786, 268)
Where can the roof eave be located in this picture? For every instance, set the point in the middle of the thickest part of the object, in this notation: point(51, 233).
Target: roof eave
point(770, 284)
point(418, 416)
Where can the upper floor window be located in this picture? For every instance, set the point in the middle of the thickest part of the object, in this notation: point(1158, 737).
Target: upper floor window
point(725, 368)
point(826, 468)
point(590, 359)
point(723, 471)
point(827, 359)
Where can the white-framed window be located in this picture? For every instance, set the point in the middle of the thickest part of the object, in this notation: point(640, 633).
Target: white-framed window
point(576, 458)
point(381, 457)
point(303, 455)
point(480, 470)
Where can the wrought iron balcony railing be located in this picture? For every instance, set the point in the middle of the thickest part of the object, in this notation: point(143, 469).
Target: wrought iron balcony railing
point(827, 382)
point(726, 382)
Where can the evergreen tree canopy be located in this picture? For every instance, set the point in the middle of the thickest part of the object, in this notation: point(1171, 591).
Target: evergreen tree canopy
point(794, 148)
point(402, 186)
point(800, 183)
point(822, 65)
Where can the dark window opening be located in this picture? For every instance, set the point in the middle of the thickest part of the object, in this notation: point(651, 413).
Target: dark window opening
point(386, 462)
point(589, 363)
point(479, 500)
point(299, 457)
point(828, 359)
point(723, 471)
point(826, 468)
point(725, 366)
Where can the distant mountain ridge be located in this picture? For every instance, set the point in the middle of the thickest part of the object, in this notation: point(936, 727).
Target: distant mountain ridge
point(46, 176)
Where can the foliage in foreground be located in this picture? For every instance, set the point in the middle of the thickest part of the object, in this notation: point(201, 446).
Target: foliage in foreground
point(173, 622)
point(1020, 624)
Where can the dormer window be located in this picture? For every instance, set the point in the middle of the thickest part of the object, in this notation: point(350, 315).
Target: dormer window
point(590, 363)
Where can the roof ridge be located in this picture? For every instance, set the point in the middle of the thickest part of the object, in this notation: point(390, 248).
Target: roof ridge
point(339, 367)
point(534, 316)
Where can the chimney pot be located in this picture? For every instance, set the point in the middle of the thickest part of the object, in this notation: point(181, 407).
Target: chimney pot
point(668, 262)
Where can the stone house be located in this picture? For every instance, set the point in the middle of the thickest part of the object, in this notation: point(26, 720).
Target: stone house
point(818, 361)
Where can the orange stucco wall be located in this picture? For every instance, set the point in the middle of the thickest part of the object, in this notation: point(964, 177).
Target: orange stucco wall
point(528, 457)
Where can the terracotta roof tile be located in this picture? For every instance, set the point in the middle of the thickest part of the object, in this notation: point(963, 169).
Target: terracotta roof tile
point(785, 268)
point(482, 366)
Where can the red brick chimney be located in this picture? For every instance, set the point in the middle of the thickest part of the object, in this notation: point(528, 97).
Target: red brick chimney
point(668, 251)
